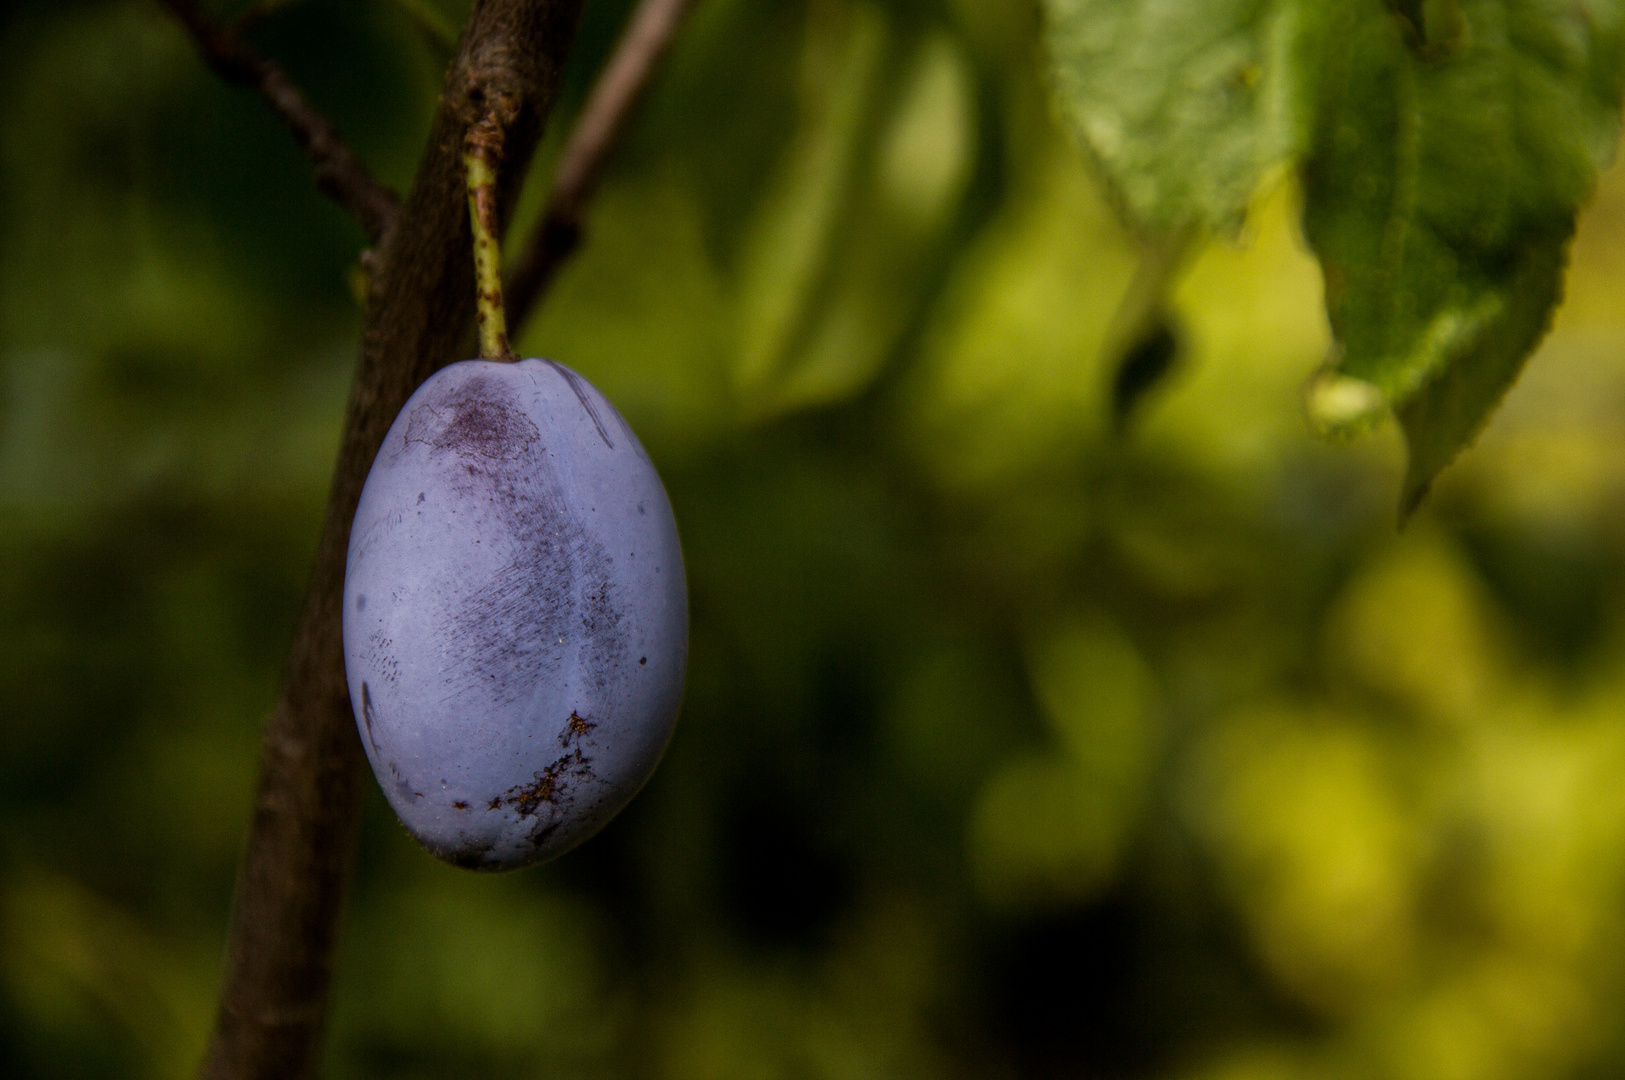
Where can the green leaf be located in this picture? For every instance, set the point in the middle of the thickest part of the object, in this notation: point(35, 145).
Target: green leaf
point(1446, 147)
point(1185, 106)
point(1448, 412)
point(1453, 144)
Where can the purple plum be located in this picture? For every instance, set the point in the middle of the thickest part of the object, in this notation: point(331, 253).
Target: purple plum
point(515, 613)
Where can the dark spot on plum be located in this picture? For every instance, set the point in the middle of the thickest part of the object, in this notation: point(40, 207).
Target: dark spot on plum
point(402, 784)
point(366, 715)
point(473, 420)
point(420, 498)
point(460, 804)
point(642, 660)
point(495, 803)
point(361, 602)
point(539, 837)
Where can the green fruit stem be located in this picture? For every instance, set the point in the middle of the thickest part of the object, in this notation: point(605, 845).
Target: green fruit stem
point(481, 152)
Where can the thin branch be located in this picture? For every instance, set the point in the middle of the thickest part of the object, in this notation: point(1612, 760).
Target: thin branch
point(420, 315)
point(603, 120)
point(340, 174)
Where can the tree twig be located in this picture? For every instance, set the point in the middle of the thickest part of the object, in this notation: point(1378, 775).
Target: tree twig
point(340, 174)
point(628, 72)
point(420, 314)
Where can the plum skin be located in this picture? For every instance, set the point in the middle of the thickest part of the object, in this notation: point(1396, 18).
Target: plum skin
point(515, 613)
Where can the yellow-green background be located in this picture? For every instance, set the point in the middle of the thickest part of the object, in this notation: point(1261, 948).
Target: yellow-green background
point(1012, 747)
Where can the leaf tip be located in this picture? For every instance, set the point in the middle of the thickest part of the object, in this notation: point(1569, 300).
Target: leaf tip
point(1412, 495)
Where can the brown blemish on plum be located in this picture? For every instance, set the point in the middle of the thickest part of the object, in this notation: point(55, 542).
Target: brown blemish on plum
point(549, 784)
point(460, 804)
point(526, 798)
point(575, 727)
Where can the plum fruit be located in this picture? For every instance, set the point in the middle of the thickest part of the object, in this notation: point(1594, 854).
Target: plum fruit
point(515, 613)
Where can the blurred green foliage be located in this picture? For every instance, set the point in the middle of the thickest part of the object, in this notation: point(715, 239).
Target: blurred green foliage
point(1444, 147)
point(1016, 743)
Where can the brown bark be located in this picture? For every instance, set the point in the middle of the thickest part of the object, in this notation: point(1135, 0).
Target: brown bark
point(419, 316)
